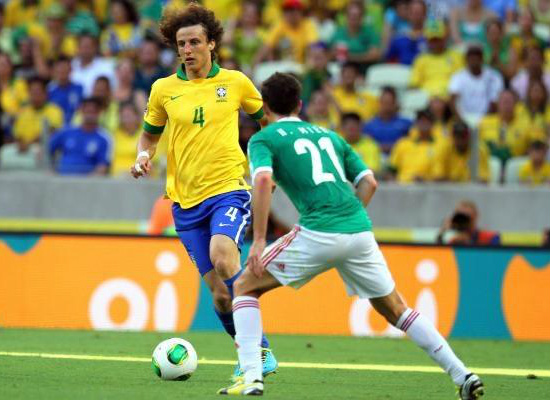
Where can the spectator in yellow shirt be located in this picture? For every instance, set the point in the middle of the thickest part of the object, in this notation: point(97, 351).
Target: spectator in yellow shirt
point(412, 159)
point(536, 110)
point(536, 171)
point(364, 145)
point(13, 91)
point(21, 12)
point(348, 99)
point(37, 116)
point(60, 41)
point(125, 140)
point(123, 36)
point(506, 133)
point(452, 158)
point(320, 112)
point(432, 71)
point(291, 36)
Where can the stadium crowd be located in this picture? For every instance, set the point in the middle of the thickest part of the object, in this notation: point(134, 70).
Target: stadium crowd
point(446, 90)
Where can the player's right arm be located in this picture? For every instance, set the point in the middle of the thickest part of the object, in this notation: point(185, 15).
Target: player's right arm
point(261, 169)
point(153, 126)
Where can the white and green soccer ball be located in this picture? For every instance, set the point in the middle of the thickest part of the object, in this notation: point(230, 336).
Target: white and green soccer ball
point(174, 360)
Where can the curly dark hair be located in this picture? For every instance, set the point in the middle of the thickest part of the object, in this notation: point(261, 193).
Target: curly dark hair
point(194, 14)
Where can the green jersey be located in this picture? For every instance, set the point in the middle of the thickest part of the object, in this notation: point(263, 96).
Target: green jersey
point(313, 166)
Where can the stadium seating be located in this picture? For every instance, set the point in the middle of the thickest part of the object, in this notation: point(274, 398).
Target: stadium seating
point(495, 169)
point(395, 75)
point(412, 101)
point(511, 170)
point(266, 69)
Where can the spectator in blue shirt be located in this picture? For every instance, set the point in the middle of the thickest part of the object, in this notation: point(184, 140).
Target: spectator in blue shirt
point(82, 150)
point(505, 9)
point(387, 127)
point(404, 47)
point(61, 91)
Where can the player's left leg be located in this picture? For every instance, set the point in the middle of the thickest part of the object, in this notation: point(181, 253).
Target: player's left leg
point(248, 322)
point(367, 275)
point(425, 335)
point(228, 223)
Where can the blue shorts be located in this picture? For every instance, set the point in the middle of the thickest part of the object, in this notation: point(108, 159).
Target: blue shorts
point(225, 214)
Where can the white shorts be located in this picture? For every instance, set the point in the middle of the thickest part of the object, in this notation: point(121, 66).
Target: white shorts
point(302, 254)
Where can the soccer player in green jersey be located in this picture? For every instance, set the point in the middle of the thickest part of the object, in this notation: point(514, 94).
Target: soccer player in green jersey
point(314, 167)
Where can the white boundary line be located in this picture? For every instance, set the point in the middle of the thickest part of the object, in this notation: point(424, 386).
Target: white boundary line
point(354, 367)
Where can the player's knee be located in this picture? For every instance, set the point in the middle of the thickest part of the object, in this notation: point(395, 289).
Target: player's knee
point(222, 300)
point(222, 265)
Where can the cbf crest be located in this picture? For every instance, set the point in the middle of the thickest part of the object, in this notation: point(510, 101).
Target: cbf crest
point(221, 93)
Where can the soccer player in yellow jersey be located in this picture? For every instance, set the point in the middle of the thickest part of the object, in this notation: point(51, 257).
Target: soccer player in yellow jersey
point(198, 108)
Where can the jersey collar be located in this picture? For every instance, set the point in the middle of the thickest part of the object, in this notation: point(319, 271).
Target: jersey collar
point(289, 119)
point(213, 72)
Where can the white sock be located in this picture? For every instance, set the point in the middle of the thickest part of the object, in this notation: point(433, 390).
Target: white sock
point(424, 334)
point(248, 326)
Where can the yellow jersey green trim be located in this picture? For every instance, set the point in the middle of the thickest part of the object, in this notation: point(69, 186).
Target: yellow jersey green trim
point(213, 72)
point(258, 114)
point(155, 130)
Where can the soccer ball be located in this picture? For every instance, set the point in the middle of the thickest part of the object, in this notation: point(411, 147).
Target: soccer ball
point(174, 360)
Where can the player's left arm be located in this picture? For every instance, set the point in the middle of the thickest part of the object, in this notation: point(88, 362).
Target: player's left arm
point(261, 168)
point(358, 173)
point(251, 101)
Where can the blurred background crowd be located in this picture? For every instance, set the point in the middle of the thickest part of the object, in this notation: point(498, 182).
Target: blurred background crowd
point(424, 91)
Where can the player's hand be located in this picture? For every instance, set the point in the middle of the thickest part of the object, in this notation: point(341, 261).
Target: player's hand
point(254, 260)
point(142, 167)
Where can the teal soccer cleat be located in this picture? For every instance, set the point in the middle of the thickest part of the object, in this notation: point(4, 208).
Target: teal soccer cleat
point(269, 366)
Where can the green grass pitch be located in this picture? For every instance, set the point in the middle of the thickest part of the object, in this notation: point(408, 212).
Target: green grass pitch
point(51, 378)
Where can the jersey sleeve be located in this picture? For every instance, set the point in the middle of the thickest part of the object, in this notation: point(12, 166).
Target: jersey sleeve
point(251, 99)
point(260, 156)
point(354, 166)
point(155, 115)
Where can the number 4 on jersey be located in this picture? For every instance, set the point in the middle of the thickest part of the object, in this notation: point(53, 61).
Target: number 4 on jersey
point(199, 116)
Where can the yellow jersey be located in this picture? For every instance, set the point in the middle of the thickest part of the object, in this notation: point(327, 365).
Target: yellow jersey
point(529, 175)
point(291, 43)
point(31, 122)
point(432, 72)
point(413, 159)
point(369, 151)
point(513, 136)
point(452, 166)
point(201, 119)
point(362, 103)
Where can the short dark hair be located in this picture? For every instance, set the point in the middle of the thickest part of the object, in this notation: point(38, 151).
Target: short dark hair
point(389, 90)
point(353, 65)
point(351, 116)
point(103, 78)
point(91, 100)
point(62, 59)
point(460, 128)
point(194, 14)
point(425, 114)
point(538, 145)
point(36, 79)
point(281, 92)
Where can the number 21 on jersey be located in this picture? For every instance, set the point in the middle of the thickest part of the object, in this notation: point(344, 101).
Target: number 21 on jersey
point(303, 146)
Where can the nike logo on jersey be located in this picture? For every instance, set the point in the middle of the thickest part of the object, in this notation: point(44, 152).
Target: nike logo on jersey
point(175, 97)
point(225, 224)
